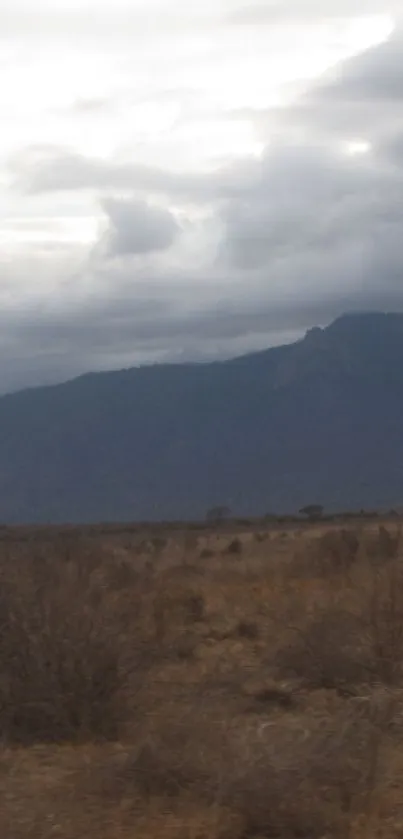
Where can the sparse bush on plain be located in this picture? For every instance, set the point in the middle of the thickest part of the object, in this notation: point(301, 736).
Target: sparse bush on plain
point(275, 696)
point(176, 604)
point(385, 621)
point(337, 550)
point(234, 547)
point(284, 781)
point(334, 552)
point(206, 553)
point(386, 544)
point(338, 644)
point(308, 783)
point(248, 629)
point(63, 668)
point(328, 651)
point(159, 544)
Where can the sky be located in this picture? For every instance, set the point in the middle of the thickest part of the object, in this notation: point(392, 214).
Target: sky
point(189, 181)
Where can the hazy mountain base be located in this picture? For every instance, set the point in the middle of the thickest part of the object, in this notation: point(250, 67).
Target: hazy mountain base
point(202, 684)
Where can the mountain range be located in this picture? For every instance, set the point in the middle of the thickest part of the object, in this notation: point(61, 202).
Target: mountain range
point(316, 421)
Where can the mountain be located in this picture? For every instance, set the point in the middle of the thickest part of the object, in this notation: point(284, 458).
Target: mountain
point(320, 420)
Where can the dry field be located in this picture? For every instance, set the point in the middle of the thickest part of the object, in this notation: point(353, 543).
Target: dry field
point(203, 683)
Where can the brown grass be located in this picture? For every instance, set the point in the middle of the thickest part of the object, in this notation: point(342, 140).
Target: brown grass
point(158, 684)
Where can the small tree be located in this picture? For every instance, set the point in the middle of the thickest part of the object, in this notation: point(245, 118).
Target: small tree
point(216, 514)
point(312, 511)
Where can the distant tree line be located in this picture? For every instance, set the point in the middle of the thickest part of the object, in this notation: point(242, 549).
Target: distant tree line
point(311, 512)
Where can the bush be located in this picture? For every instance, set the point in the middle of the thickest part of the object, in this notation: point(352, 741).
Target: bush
point(336, 645)
point(333, 553)
point(64, 668)
point(384, 545)
point(275, 696)
point(281, 781)
point(307, 783)
point(336, 550)
point(234, 547)
point(385, 622)
point(177, 602)
point(328, 651)
point(248, 629)
point(206, 553)
point(159, 544)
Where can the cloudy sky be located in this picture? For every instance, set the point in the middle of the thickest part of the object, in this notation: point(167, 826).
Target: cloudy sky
point(187, 180)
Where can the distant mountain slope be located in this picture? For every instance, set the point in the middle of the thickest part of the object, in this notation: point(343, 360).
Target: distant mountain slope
point(318, 420)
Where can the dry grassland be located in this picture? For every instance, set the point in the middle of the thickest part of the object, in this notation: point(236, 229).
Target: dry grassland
point(202, 684)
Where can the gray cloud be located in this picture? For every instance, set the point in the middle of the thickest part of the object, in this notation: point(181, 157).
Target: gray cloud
point(376, 74)
point(308, 232)
point(57, 170)
point(136, 227)
point(53, 169)
point(309, 199)
point(337, 248)
point(392, 148)
point(41, 170)
point(125, 329)
point(361, 97)
point(302, 234)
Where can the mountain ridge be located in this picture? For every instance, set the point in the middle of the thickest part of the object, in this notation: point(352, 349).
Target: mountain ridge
point(316, 420)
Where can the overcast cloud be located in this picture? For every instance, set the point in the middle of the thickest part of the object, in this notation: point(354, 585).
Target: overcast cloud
point(180, 182)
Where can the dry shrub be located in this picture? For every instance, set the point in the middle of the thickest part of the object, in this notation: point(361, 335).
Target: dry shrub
point(281, 781)
point(177, 755)
point(178, 601)
point(304, 783)
point(383, 545)
point(190, 543)
point(206, 553)
point(335, 551)
point(159, 543)
point(248, 629)
point(234, 547)
point(385, 621)
point(70, 546)
point(274, 696)
point(121, 574)
point(64, 651)
point(357, 638)
point(328, 651)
